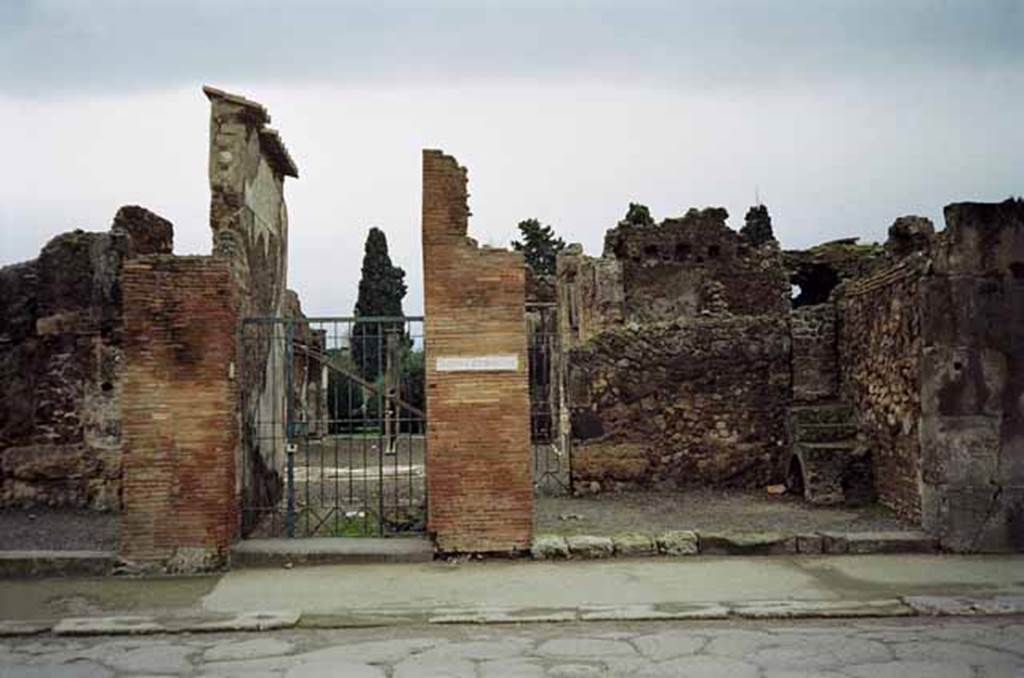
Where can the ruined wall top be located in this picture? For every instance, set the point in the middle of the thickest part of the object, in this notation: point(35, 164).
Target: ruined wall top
point(694, 265)
point(248, 163)
point(446, 208)
point(982, 238)
point(254, 114)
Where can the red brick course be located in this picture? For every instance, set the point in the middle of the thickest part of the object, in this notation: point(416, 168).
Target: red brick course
point(179, 409)
point(479, 480)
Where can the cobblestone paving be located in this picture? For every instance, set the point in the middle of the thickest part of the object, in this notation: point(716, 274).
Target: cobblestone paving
point(934, 648)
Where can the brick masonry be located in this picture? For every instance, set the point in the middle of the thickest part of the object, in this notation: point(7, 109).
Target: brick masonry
point(179, 411)
point(478, 433)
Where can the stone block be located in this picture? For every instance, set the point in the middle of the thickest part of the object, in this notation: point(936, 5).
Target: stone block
point(910, 541)
point(794, 609)
point(678, 543)
point(810, 544)
point(107, 626)
point(549, 547)
point(634, 544)
point(588, 546)
point(746, 543)
point(265, 620)
point(945, 606)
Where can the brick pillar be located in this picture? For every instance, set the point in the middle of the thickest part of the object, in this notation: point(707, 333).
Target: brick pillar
point(479, 480)
point(179, 411)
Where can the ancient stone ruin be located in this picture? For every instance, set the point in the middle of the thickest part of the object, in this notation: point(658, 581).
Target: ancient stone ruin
point(894, 372)
point(62, 361)
point(171, 388)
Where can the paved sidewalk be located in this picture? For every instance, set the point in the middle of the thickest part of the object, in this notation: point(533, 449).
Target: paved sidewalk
point(510, 591)
point(521, 584)
point(992, 647)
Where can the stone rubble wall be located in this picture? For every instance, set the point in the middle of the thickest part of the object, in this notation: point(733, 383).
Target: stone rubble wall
point(478, 433)
point(61, 365)
point(675, 355)
point(815, 353)
point(688, 402)
point(880, 345)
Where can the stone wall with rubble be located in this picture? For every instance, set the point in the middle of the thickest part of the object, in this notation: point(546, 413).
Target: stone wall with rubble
point(248, 164)
point(695, 401)
point(880, 345)
point(815, 358)
point(676, 352)
point(61, 365)
point(972, 391)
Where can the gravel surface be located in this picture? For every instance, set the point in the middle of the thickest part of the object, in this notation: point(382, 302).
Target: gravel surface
point(58, 530)
point(705, 509)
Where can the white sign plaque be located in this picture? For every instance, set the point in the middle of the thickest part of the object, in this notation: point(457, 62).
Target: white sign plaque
point(478, 363)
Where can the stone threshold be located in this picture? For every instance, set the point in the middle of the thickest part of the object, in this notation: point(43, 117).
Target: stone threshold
point(720, 543)
point(905, 606)
point(330, 551)
point(20, 564)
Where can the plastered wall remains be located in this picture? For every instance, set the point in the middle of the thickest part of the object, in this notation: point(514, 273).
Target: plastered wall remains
point(248, 164)
point(972, 390)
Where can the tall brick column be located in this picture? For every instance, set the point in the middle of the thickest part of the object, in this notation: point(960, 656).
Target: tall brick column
point(478, 429)
point(179, 412)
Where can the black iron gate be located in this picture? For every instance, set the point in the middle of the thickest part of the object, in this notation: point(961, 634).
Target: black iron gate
point(334, 427)
point(549, 440)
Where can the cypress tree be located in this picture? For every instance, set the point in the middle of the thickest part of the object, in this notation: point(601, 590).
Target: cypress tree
point(381, 290)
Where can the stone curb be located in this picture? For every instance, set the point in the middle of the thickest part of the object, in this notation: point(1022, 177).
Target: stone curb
point(20, 564)
point(905, 606)
point(719, 543)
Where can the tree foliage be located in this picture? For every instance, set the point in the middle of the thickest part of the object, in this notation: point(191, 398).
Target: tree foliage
point(638, 215)
point(381, 290)
point(758, 225)
point(539, 245)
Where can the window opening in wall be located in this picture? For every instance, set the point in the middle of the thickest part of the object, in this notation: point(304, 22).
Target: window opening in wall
point(816, 283)
point(714, 251)
point(682, 251)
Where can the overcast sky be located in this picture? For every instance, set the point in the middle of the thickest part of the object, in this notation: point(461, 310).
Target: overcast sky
point(839, 115)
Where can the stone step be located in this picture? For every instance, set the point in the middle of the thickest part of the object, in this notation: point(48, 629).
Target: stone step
point(824, 433)
point(845, 448)
point(330, 551)
point(832, 413)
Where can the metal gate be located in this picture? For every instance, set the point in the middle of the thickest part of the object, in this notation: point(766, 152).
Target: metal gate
point(548, 436)
point(334, 425)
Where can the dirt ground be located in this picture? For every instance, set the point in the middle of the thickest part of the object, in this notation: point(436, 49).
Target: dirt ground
point(58, 530)
point(650, 512)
